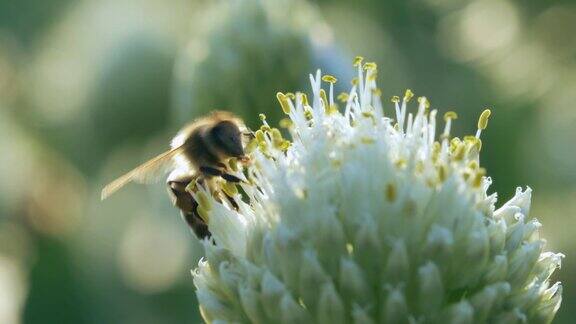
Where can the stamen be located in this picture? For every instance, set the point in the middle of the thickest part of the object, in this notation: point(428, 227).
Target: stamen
point(423, 101)
point(283, 102)
point(483, 121)
point(408, 95)
point(259, 134)
point(203, 200)
point(325, 100)
point(229, 188)
point(329, 78)
point(370, 66)
point(304, 99)
point(286, 123)
point(478, 176)
point(448, 117)
point(343, 97)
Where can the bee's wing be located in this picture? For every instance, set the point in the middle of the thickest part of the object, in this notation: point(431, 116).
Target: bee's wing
point(148, 171)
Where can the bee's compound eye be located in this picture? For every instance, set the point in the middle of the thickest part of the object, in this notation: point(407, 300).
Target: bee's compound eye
point(227, 136)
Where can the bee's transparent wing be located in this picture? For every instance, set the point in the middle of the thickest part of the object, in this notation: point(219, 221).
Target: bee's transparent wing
point(147, 172)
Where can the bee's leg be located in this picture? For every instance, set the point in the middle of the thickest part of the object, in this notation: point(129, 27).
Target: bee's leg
point(232, 202)
point(181, 198)
point(230, 177)
point(211, 171)
point(215, 172)
point(188, 206)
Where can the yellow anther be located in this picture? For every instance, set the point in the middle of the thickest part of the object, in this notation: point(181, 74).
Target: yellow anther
point(265, 128)
point(376, 92)
point(478, 145)
point(478, 177)
point(251, 146)
point(259, 134)
point(308, 114)
point(283, 100)
point(332, 109)
point(395, 99)
point(276, 133)
point(325, 99)
point(263, 147)
point(454, 143)
point(370, 66)
point(408, 95)
point(473, 143)
point(284, 145)
point(354, 81)
point(304, 99)
point(458, 154)
point(262, 117)
point(230, 188)
point(357, 61)
point(233, 164)
point(470, 139)
point(343, 96)
point(424, 101)
point(285, 123)
point(191, 187)
point(203, 200)
point(483, 120)
point(290, 95)
point(277, 137)
point(372, 75)
point(442, 172)
point(204, 214)
point(473, 165)
point(391, 192)
point(450, 115)
point(329, 78)
point(369, 114)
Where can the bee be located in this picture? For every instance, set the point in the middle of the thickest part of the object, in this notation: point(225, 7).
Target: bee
point(202, 149)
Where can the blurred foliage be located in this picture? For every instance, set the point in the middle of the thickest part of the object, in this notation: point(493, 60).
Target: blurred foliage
point(27, 19)
point(241, 53)
point(90, 88)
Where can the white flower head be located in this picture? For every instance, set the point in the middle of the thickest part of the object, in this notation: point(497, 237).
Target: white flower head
point(370, 215)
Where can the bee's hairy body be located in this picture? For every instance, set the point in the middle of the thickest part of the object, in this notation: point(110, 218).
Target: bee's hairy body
point(202, 149)
point(197, 150)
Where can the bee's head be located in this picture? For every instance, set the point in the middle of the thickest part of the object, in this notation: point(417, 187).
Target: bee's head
point(227, 138)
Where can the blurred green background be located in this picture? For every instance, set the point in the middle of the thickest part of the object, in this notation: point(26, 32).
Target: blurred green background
point(88, 89)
